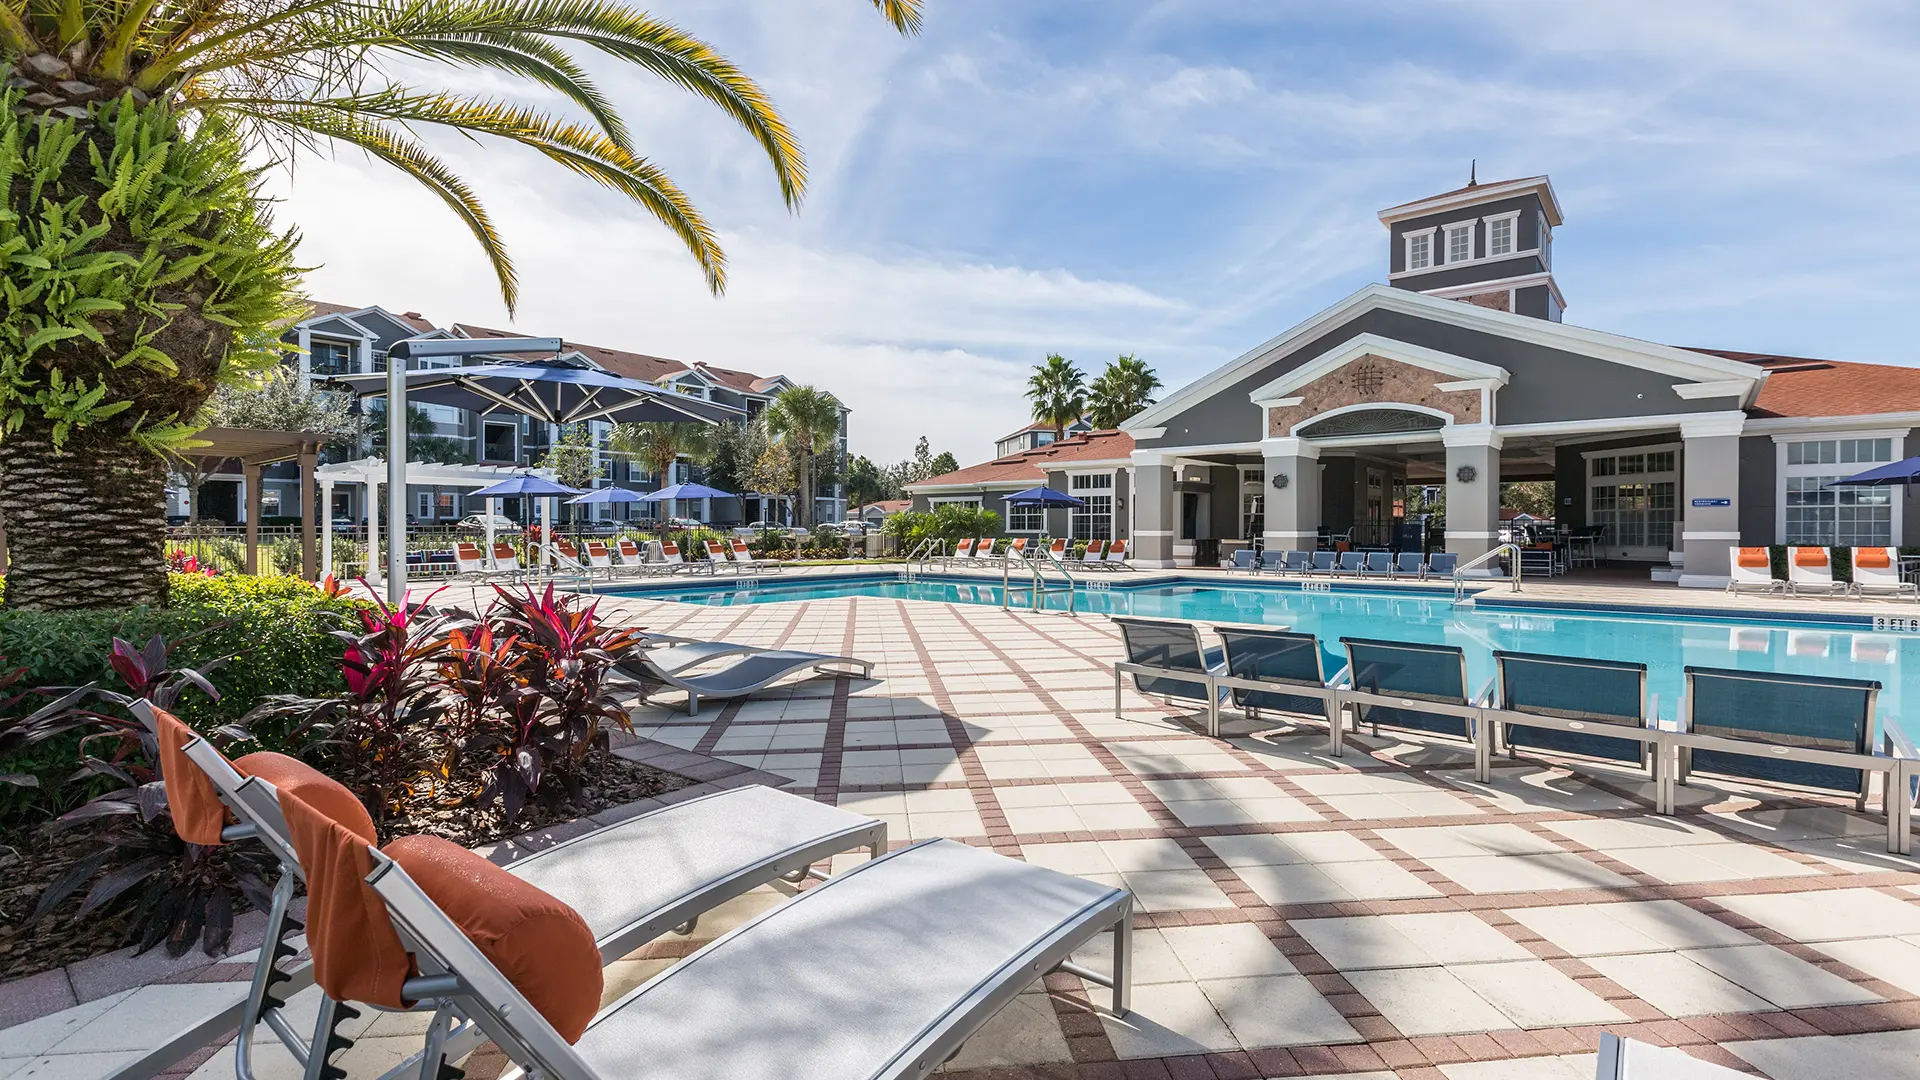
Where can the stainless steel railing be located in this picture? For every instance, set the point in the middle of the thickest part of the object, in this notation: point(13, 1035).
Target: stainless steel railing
point(1460, 572)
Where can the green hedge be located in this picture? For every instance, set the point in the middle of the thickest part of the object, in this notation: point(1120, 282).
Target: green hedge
point(274, 628)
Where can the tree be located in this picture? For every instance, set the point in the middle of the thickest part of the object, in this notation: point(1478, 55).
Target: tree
point(922, 459)
point(280, 400)
point(807, 421)
point(1123, 389)
point(572, 459)
point(770, 471)
point(660, 443)
point(944, 464)
point(424, 443)
point(866, 483)
point(144, 270)
point(1058, 391)
point(1529, 497)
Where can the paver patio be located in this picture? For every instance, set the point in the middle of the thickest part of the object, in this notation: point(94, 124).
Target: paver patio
point(1366, 916)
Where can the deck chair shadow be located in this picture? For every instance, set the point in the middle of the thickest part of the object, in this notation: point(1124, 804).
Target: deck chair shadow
point(750, 669)
point(1570, 705)
point(1414, 687)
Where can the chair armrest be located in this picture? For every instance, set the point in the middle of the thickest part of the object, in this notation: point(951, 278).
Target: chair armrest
point(1485, 696)
point(1342, 679)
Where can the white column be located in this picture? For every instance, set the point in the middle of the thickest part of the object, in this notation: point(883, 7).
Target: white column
point(326, 527)
point(374, 564)
point(1293, 511)
point(493, 507)
point(305, 341)
point(1154, 508)
point(1473, 489)
point(546, 531)
point(1709, 510)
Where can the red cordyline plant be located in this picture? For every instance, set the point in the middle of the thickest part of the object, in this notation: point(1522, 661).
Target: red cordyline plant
point(371, 732)
point(556, 708)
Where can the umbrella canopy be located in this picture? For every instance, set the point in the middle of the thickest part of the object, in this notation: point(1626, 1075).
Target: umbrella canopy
point(686, 491)
point(606, 495)
point(1043, 496)
point(524, 484)
point(555, 392)
point(1902, 473)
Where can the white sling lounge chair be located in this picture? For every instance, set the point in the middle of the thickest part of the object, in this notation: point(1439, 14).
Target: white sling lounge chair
point(468, 559)
point(1876, 572)
point(698, 854)
point(744, 555)
point(506, 560)
point(1810, 570)
point(751, 669)
point(1752, 571)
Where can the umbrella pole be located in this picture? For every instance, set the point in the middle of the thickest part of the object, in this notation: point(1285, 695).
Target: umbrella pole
point(396, 481)
point(493, 507)
point(546, 532)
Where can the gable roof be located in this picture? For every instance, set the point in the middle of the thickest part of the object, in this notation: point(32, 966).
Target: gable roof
point(317, 309)
point(1800, 386)
point(1029, 467)
point(1613, 348)
point(1475, 194)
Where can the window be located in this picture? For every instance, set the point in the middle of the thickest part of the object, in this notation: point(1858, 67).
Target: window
point(1094, 519)
point(1813, 513)
point(1420, 250)
point(1634, 496)
point(496, 442)
point(330, 358)
point(1460, 243)
point(1500, 236)
point(424, 508)
point(1026, 519)
point(1546, 242)
point(443, 504)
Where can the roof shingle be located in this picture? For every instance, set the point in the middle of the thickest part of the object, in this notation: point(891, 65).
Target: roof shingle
point(1030, 466)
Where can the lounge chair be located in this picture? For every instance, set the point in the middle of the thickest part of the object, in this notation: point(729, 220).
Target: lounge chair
point(983, 550)
point(1299, 562)
point(1261, 660)
point(633, 557)
point(1016, 549)
point(1409, 564)
point(1349, 562)
point(676, 563)
point(1751, 570)
point(699, 854)
point(1538, 562)
point(506, 560)
point(1876, 572)
point(1625, 1059)
point(469, 559)
point(1117, 557)
point(599, 557)
point(1273, 562)
point(961, 551)
point(1322, 563)
point(1563, 704)
point(1246, 559)
point(1442, 564)
point(1057, 549)
point(1385, 680)
point(717, 556)
point(1377, 564)
point(1167, 657)
point(744, 556)
point(1810, 570)
point(883, 972)
point(748, 669)
point(1092, 553)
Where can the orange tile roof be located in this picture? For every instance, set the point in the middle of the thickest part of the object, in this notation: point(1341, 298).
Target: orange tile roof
point(1804, 386)
point(1030, 466)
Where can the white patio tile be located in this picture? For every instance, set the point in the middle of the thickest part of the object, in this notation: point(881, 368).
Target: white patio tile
point(1526, 873)
point(1303, 883)
point(148, 1016)
point(1279, 1010)
point(1532, 789)
point(1363, 795)
point(1832, 915)
point(1465, 840)
point(1239, 800)
point(1615, 834)
point(1161, 757)
point(1676, 985)
point(1689, 864)
point(1228, 951)
point(1532, 993)
point(1158, 872)
point(1168, 1019)
point(1413, 940)
point(1428, 1001)
point(35, 1037)
point(1281, 849)
point(1780, 977)
point(1630, 927)
point(1022, 761)
point(1822, 1057)
point(1783, 826)
point(1026, 1032)
point(87, 1066)
point(1891, 960)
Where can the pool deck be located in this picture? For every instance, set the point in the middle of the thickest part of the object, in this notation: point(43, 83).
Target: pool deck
point(1370, 916)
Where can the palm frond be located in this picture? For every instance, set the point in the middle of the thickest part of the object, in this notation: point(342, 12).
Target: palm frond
point(902, 15)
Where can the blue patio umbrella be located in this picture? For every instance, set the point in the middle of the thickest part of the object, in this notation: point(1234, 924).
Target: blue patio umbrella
point(528, 485)
point(556, 392)
point(1901, 473)
point(686, 491)
point(1043, 496)
point(606, 495)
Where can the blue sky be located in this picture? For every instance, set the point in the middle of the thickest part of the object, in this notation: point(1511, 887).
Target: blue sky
point(1183, 180)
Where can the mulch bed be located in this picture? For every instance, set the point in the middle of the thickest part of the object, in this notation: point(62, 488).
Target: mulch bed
point(30, 859)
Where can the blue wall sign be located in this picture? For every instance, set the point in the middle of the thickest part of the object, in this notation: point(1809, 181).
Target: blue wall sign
point(1713, 502)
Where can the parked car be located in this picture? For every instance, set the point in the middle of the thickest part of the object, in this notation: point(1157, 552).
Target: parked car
point(501, 523)
point(758, 528)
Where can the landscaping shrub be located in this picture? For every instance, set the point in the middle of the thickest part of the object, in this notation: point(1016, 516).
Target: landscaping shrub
point(948, 522)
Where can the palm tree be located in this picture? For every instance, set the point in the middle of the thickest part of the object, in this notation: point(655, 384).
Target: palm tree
point(1123, 389)
point(143, 269)
point(658, 444)
point(1058, 391)
point(808, 421)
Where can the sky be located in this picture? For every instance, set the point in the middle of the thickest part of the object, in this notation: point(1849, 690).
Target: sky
point(1180, 180)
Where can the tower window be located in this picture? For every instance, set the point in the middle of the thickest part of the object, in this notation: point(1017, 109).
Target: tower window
point(1460, 243)
point(1500, 236)
point(1420, 250)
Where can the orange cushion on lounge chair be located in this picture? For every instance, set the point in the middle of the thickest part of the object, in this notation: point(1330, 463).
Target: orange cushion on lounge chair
point(1872, 558)
point(1810, 556)
point(290, 776)
point(192, 800)
point(540, 944)
point(1755, 558)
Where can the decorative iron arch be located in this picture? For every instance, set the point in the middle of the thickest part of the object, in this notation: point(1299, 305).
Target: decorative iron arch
point(1372, 420)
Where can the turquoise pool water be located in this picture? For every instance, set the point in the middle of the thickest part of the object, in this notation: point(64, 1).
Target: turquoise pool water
point(1846, 646)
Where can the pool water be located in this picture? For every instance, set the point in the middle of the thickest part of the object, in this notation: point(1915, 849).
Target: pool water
point(1844, 646)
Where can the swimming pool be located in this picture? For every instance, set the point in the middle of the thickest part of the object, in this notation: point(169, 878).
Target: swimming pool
point(1666, 640)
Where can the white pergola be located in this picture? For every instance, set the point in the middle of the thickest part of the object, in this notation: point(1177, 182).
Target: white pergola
point(373, 472)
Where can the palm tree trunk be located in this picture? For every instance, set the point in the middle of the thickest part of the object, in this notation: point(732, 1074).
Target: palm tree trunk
point(87, 526)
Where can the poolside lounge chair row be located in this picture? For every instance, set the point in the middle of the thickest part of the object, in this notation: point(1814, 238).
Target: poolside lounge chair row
point(883, 971)
point(1405, 564)
point(1799, 730)
point(1099, 555)
point(623, 557)
point(1876, 572)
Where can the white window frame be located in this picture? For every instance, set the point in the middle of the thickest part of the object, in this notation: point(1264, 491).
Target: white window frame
point(423, 509)
point(1512, 218)
point(1453, 232)
point(1039, 517)
point(1408, 239)
point(1782, 471)
point(940, 500)
point(1544, 245)
point(1677, 477)
point(1111, 491)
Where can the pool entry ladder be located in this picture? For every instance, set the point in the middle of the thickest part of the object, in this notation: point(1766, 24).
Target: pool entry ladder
point(1038, 589)
point(1512, 551)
